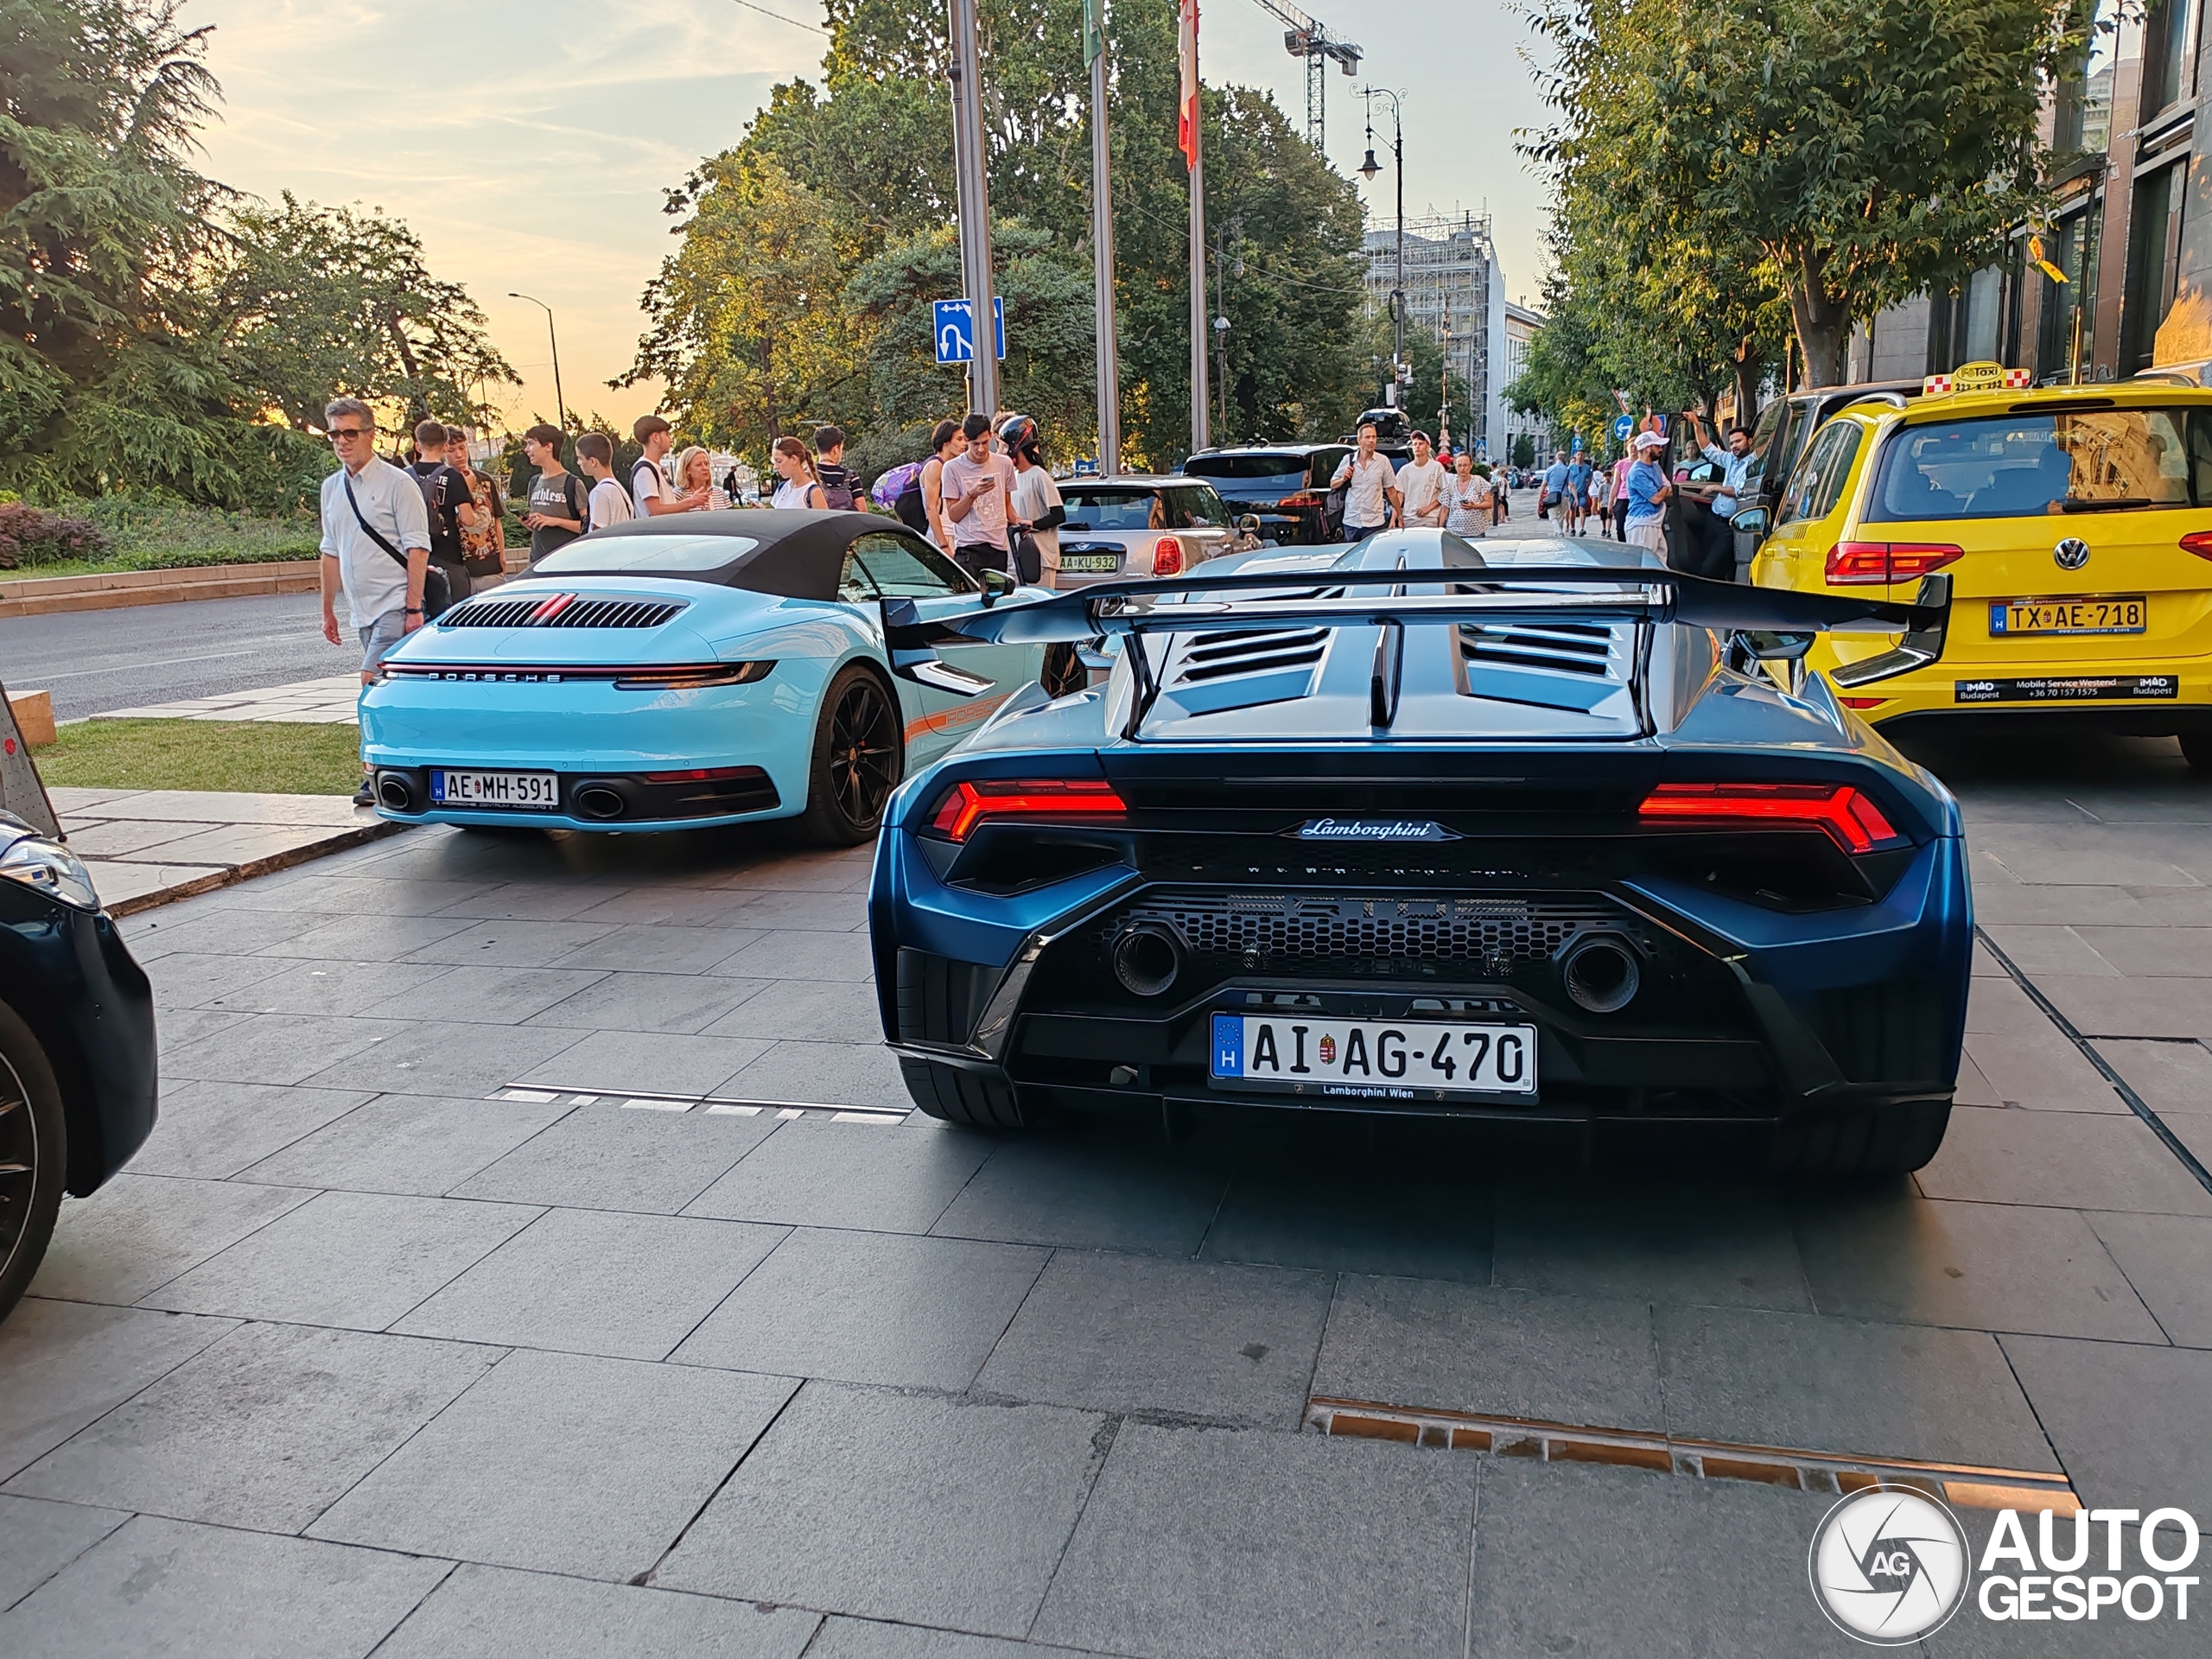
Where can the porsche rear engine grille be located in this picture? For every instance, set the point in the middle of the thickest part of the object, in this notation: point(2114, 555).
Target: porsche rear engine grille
point(560, 611)
point(1490, 934)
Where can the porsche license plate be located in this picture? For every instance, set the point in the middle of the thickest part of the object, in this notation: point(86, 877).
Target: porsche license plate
point(1371, 1059)
point(1090, 563)
point(531, 791)
point(2009, 618)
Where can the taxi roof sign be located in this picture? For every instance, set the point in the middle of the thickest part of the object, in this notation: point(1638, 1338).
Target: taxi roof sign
point(1976, 376)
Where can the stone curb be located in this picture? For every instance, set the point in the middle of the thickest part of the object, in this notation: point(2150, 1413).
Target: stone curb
point(48, 595)
point(231, 874)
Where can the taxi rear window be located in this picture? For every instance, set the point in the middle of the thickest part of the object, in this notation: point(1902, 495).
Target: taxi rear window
point(2029, 465)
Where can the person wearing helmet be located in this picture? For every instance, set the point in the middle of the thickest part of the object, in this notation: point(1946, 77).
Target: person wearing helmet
point(1037, 511)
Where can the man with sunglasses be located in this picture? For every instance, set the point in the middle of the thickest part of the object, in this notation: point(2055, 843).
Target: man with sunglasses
point(376, 543)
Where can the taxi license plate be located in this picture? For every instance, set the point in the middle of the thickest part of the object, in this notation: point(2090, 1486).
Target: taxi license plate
point(1371, 1059)
point(1087, 563)
point(2010, 617)
point(531, 791)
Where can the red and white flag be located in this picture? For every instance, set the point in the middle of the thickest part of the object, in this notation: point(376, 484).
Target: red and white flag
point(1186, 45)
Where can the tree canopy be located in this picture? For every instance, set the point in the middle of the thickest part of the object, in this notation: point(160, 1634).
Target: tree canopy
point(810, 250)
point(159, 332)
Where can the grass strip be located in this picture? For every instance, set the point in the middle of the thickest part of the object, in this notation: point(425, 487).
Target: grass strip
point(256, 756)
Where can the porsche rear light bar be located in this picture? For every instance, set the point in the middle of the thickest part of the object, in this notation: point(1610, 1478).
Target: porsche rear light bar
point(692, 677)
point(1849, 817)
point(1857, 565)
point(971, 802)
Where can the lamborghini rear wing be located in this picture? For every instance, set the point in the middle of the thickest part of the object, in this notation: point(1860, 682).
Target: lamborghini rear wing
point(1778, 622)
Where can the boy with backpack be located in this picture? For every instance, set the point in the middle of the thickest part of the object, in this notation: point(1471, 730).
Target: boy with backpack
point(838, 485)
point(610, 502)
point(560, 502)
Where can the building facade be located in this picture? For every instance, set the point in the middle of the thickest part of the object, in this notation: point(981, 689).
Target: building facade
point(1456, 293)
point(2133, 237)
point(1521, 327)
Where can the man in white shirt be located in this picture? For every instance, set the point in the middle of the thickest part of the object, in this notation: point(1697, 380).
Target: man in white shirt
point(1420, 488)
point(978, 483)
point(610, 502)
point(376, 543)
point(1036, 498)
point(1370, 487)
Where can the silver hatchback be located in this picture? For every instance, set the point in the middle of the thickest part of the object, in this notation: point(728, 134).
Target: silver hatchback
point(1136, 524)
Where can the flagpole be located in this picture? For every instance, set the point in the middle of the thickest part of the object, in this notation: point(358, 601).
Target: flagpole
point(1193, 112)
point(1102, 244)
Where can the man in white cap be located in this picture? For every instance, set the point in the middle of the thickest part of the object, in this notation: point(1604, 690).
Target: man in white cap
point(1647, 493)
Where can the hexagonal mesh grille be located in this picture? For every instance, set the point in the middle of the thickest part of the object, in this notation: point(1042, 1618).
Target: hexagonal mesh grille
point(1282, 930)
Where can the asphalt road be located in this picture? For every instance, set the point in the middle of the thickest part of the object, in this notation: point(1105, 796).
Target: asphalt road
point(92, 661)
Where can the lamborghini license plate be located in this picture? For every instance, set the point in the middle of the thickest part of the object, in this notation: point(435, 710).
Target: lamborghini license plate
point(534, 792)
point(1371, 1059)
point(2009, 618)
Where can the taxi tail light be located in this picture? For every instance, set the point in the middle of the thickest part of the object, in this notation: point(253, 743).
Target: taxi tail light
point(2198, 542)
point(1167, 556)
point(972, 801)
point(1857, 565)
point(1862, 703)
point(1849, 817)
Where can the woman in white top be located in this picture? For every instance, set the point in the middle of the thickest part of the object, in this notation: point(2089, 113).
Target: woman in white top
point(800, 487)
point(695, 470)
point(1466, 499)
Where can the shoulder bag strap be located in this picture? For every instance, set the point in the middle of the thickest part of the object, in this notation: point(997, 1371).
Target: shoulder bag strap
point(346, 481)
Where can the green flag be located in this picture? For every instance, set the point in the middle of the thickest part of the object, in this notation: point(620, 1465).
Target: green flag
point(1094, 30)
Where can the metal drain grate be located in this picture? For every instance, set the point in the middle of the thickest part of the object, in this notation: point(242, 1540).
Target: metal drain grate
point(713, 1105)
point(1968, 1485)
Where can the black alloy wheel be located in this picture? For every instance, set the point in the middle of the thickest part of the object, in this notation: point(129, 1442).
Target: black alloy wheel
point(33, 1155)
point(859, 757)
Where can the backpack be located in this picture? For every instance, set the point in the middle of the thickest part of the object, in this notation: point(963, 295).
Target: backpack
point(630, 489)
point(905, 495)
point(842, 496)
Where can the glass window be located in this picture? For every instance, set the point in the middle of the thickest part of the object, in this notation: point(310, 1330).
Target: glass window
point(905, 567)
point(1817, 484)
point(1111, 508)
point(645, 555)
point(2020, 466)
point(1198, 507)
point(1245, 467)
point(2166, 55)
point(2084, 111)
point(2152, 236)
point(1767, 441)
point(2072, 304)
point(1324, 469)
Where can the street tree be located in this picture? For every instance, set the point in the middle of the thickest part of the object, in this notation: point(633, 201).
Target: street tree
point(1868, 149)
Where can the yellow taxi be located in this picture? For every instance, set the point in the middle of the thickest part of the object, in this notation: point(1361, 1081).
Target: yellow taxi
point(2074, 523)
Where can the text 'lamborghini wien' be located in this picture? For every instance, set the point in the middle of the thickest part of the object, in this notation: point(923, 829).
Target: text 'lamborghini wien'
point(1410, 828)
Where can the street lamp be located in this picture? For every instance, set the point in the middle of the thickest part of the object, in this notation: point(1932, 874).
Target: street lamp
point(1368, 169)
point(560, 403)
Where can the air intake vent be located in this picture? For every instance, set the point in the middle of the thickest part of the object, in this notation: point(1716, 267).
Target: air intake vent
point(1563, 647)
point(1215, 655)
point(560, 611)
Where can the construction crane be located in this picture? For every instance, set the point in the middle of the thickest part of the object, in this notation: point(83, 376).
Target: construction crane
point(1303, 38)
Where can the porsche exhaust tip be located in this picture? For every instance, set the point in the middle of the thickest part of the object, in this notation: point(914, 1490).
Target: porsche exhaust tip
point(394, 792)
point(1147, 959)
point(600, 801)
point(1599, 974)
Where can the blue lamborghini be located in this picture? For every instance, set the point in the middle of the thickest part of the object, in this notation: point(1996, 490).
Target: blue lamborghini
point(689, 670)
point(1529, 830)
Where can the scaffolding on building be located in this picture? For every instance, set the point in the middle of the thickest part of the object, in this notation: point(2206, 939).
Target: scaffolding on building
point(1450, 270)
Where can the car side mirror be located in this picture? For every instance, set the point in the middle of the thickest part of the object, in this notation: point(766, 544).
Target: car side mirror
point(1249, 525)
point(1751, 521)
point(996, 586)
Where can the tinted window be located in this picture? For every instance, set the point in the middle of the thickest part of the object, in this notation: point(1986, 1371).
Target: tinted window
point(1324, 468)
point(1245, 467)
point(1197, 505)
point(1819, 479)
point(2023, 465)
point(645, 555)
point(1107, 508)
point(901, 567)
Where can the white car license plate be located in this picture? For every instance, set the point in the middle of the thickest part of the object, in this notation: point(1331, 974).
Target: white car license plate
point(534, 792)
point(1089, 564)
point(1371, 1059)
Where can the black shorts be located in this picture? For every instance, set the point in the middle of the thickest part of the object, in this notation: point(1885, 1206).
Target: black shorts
point(979, 556)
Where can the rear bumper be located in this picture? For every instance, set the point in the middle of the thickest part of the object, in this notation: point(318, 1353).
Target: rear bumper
point(601, 800)
point(1748, 1015)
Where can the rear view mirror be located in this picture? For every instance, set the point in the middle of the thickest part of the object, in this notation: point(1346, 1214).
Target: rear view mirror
point(996, 586)
point(1249, 525)
point(1751, 521)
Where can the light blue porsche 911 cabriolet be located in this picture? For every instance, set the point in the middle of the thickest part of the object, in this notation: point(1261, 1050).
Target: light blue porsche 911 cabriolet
point(690, 670)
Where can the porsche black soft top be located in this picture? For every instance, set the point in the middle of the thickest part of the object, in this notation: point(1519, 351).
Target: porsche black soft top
point(794, 554)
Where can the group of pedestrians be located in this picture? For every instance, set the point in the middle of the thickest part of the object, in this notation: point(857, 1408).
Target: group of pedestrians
point(984, 495)
point(1422, 492)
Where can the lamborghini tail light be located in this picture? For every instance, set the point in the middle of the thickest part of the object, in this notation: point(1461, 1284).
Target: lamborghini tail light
point(1850, 818)
point(970, 802)
point(1167, 556)
point(1860, 564)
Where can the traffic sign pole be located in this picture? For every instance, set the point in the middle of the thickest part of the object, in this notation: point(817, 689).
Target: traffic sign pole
point(971, 178)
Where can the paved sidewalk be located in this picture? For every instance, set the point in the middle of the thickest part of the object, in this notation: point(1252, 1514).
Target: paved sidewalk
point(146, 847)
point(392, 1341)
point(332, 701)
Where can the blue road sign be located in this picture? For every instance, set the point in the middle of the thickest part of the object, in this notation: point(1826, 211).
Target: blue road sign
point(1578, 443)
point(1623, 425)
point(954, 321)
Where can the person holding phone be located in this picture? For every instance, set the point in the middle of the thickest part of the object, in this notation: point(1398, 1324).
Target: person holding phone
point(978, 483)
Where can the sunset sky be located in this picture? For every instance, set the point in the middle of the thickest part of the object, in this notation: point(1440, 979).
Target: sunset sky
point(528, 144)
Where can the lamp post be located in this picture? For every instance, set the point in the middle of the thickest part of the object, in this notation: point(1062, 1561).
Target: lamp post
point(972, 187)
point(1368, 169)
point(560, 403)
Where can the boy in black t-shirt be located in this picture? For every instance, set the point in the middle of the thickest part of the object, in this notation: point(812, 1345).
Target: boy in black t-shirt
point(446, 492)
point(559, 500)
